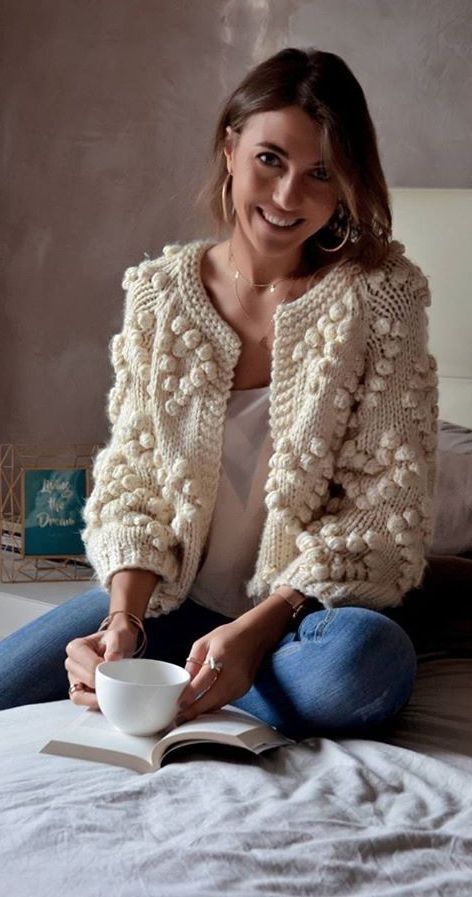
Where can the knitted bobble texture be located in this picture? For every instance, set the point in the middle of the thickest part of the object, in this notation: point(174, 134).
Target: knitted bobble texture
point(353, 418)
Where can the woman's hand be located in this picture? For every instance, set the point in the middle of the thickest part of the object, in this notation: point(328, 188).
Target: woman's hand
point(130, 592)
point(239, 647)
point(84, 655)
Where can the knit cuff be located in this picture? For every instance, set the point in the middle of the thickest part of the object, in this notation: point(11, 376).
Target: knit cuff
point(114, 548)
point(377, 595)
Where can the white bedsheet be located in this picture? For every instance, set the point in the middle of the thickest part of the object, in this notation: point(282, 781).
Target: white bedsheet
point(390, 818)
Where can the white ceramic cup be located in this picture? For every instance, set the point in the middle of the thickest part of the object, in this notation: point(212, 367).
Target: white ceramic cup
point(139, 696)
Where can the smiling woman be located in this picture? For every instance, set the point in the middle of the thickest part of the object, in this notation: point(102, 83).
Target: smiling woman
point(333, 140)
point(266, 490)
point(280, 199)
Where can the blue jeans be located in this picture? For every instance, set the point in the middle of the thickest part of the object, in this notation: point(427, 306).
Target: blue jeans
point(344, 670)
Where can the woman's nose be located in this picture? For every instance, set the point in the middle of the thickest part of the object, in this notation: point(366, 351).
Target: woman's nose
point(287, 193)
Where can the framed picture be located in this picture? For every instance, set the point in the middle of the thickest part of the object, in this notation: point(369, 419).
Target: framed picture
point(52, 512)
point(42, 495)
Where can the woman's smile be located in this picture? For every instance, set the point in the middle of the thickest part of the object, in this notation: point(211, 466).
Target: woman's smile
point(277, 220)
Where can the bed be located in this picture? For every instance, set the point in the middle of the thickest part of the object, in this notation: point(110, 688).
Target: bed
point(389, 816)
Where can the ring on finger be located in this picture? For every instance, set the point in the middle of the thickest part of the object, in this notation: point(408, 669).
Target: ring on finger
point(215, 665)
point(192, 660)
point(77, 686)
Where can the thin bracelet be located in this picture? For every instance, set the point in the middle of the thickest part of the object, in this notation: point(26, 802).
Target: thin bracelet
point(140, 648)
point(292, 604)
point(296, 608)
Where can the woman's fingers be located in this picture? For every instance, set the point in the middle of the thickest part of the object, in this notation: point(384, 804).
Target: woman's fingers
point(198, 670)
point(82, 684)
point(84, 655)
point(196, 659)
point(77, 673)
point(84, 698)
point(208, 689)
point(200, 686)
point(220, 672)
point(208, 696)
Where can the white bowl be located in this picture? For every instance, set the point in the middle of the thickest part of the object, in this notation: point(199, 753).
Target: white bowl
point(139, 696)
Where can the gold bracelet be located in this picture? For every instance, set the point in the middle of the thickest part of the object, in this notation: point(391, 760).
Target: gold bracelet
point(295, 605)
point(140, 648)
point(296, 608)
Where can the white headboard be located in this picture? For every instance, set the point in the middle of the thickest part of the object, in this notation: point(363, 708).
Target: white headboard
point(436, 227)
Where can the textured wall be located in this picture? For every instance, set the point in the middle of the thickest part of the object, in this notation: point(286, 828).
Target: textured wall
point(107, 113)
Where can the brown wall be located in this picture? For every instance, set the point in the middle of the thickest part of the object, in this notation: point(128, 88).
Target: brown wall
point(107, 113)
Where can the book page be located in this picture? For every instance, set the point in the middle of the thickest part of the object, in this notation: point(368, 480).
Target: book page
point(93, 730)
point(227, 723)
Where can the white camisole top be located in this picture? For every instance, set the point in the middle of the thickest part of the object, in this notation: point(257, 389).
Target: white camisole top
point(230, 553)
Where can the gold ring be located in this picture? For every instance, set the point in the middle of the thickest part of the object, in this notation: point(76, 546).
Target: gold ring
point(192, 660)
point(78, 686)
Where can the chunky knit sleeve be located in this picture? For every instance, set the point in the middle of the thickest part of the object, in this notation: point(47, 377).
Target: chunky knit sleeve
point(127, 517)
point(369, 546)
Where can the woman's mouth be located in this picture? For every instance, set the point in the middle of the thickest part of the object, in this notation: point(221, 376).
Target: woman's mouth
point(288, 222)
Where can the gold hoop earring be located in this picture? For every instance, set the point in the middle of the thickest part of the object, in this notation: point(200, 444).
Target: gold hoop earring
point(342, 219)
point(224, 199)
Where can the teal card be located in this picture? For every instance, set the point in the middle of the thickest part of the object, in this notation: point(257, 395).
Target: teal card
point(53, 501)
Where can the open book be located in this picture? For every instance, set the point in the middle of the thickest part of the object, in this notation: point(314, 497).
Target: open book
point(91, 737)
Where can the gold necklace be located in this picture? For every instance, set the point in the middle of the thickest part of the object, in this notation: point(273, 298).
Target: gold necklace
point(272, 284)
point(264, 342)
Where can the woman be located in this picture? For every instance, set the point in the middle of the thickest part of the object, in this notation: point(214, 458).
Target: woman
point(263, 555)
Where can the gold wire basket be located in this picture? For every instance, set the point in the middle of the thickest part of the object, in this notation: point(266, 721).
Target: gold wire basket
point(42, 492)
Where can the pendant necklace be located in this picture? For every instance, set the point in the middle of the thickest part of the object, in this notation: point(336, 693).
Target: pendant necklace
point(255, 286)
point(264, 342)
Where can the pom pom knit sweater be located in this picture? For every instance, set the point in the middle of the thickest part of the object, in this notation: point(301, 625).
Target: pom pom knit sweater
point(353, 408)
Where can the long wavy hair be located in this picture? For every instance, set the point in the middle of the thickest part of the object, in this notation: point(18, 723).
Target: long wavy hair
point(324, 87)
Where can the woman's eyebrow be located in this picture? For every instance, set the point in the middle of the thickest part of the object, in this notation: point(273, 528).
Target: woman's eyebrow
point(278, 149)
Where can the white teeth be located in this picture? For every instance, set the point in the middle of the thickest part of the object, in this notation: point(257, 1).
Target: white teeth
point(280, 222)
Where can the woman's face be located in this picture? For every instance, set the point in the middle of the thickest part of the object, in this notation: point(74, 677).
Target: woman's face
point(281, 190)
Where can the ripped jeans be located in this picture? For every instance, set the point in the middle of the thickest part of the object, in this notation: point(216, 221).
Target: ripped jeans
point(344, 670)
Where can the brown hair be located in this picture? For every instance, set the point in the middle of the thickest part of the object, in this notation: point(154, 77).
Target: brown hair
point(324, 87)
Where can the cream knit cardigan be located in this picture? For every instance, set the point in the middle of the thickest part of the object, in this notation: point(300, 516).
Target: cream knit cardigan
point(353, 422)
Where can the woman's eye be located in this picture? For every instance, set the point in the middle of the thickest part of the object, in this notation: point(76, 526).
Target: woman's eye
point(269, 159)
point(320, 174)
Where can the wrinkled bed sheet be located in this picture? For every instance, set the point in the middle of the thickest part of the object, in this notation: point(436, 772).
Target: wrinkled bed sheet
point(324, 817)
